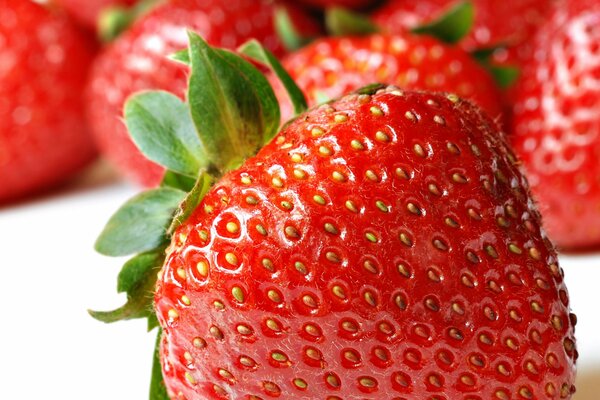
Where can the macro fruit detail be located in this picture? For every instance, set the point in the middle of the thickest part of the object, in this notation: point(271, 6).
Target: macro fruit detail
point(381, 245)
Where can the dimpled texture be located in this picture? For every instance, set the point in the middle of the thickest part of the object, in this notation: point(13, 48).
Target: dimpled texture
point(334, 66)
point(44, 62)
point(508, 23)
point(87, 12)
point(364, 253)
point(557, 124)
point(138, 61)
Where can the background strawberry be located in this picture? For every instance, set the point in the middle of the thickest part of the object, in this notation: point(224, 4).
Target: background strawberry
point(323, 4)
point(43, 67)
point(383, 244)
point(87, 12)
point(508, 23)
point(557, 123)
point(330, 67)
point(138, 60)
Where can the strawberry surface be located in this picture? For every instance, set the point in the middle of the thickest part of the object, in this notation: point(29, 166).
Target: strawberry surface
point(508, 23)
point(382, 246)
point(44, 61)
point(557, 124)
point(87, 12)
point(333, 66)
point(138, 61)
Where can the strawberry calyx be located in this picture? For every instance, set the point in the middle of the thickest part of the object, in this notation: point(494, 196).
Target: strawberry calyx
point(291, 38)
point(231, 112)
point(115, 20)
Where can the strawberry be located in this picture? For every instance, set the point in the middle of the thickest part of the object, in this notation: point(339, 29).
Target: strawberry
point(87, 12)
point(557, 124)
point(323, 4)
point(330, 67)
point(383, 245)
point(44, 62)
point(497, 23)
point(137, 60)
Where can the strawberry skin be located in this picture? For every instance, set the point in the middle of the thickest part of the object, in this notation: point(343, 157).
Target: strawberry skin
point(338, 65)
point(382, 246)
point(508, 23)
point(557, 124)
point(138, 61)
point(87, 12)
point(44, 62)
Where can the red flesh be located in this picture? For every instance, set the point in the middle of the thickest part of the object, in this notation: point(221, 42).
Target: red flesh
point(557, 124)
point(44, 62)
point(433, 309)
point(138, 61)
point(334, 66)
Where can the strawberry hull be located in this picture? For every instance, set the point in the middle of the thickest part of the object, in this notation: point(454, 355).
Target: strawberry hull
point(382, 245)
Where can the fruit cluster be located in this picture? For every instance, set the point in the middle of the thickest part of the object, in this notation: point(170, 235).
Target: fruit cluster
point(390, 242)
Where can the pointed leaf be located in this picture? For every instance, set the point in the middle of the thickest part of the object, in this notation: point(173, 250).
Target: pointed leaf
point(161, 126)
point(177, 181)
point(255, 51)
point(286, 31)
point(182, 56)
point(342, 22)
point(452, 26)
point(158, 390)
point(140, 224)
point(233, 106)
point(136, 270)
point(194, 197)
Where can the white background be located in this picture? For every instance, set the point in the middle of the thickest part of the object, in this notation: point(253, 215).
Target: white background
point(50, 348)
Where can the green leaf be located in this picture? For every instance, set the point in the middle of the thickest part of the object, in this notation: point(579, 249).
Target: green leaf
point(342, 22)
point(140, 224)
point(194, 197)
point(505, 76)
point(286, 31)
point(233, 106)
point(152, 322)
point(177, 181)
point(256, 52)
point(162, 128)
point(158, 390)
point(182, 56)
point(452, 26)
point(114, 20)
point(138, 279)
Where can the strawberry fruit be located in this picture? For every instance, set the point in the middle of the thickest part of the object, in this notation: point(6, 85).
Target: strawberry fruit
point(557, 125)
point(44, 62)
point(383, 245)
point(87, 12)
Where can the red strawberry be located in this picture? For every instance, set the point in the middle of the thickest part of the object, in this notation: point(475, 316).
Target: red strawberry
point(557, 124)
point(138, 60)
point(333, 66)
point(508, 23)
point(383, 245)
point(44, 62)
point(323, 4)
point(87, 12)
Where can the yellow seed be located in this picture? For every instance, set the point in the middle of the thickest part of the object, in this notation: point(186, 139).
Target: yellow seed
point(251, 200)
point(309, 301)
point(339, 118)
point(351, 206)
point(268, 264)
point(439, 120)
point(381, 136)
point(331, 228)
point(190, 378)
point(300, 383)
point(261, 229)
point(382, 206)
point(246, 180)
point(300, 267)
point(181, 273)
point(371, 237)
point(372, 176)
point(331, 256)
point(325, 151)
point(238, 294)
point(316, 132)
point(186, 300)
point(286, 205)
point(291, 232)
point(453, 98)
point(418, 149)
point(319, 199)
point(231, 259)
point(356, 145)
point(338, 292)
point(410, 115)
point(199, 343)
point(299, 174)
point(376, 111)
point(274, 296)
point(232, 227)
point(297, 158)
point(218, 305)
point(277, 182)
point(338, 176)
point(173, 314)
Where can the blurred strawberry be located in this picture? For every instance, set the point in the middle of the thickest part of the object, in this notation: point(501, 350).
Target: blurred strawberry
point(557, 123)
point(323, 4)
point(44, 62)
point(138, 61)
point(508, 23)
point(87, 12)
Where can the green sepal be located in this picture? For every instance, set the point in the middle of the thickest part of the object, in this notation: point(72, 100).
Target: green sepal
point(191, 201)
point(504, 75)
point(177, 181)
point(158, 390)
point(232, 104)
point(137, 279)
point(256, 52)
point(114, 20)
point(152, 322)
point(140, 224)
point(286, 31)
point(371, 88)
point(161, 126)
point(342, 22)
point(182, 56)
point(452, 26)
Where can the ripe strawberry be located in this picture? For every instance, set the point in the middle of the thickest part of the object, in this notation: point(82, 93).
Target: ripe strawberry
point(87, 12)
point(507, 23)
point(138, 61)
point(333, 66)
point(43, 66)
point(323, 4)
point(383, 245)
point(557, 124)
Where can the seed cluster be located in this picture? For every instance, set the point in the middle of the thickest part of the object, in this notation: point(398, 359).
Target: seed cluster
point(413, 264)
